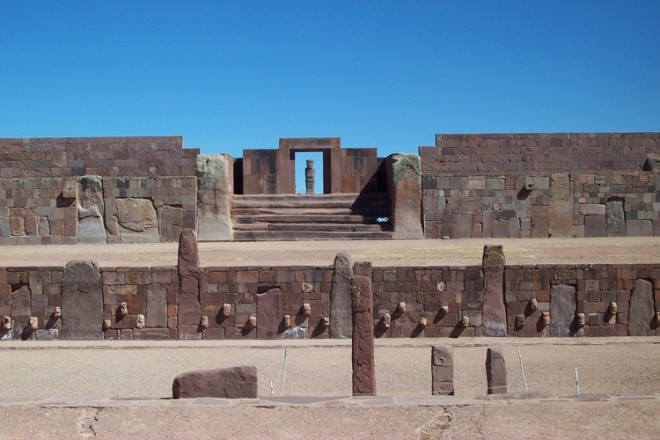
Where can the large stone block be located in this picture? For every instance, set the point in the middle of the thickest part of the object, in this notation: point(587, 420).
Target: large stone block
point(364, 370)
point(495, 372)
point(138, 221)
point(91, 208)
point(442, 371)
point(223, 383)
point(641, 312)
point(190, 308)
point(269, 314)
point(82, 301)
point(156, 309)
point(215, 189)
point(405, 186)
point(615, 219)
point(341, 323)
point(494, 309)
point(560, 222)
point(562, 309)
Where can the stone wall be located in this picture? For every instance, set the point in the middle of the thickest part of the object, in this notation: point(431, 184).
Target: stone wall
point(580, 204)
point(538, 153)
point(295, 301)
point(112, 156)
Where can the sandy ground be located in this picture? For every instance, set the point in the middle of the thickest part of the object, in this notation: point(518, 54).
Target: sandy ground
point(322, 253)
point(121, 389)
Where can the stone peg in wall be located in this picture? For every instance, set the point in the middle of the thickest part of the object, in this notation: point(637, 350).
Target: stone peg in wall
point(465, 321)
point(533, 305)
point(306, 310)
point(57, 313)
point(613, 308)
point(385, 320)
point(204, 322)
point(6, 322)
point(520, 320)
point(252, 321)
point(107, 324)
point(226, 310)
point(122, 310)
point(545, 318)
point(657, 319)
point(324, 322)
point(286, 320)
point(140, 321)
point(400, 309)
point(444, 310)
point(34, 323)
point(422, 321)
point(581, 319)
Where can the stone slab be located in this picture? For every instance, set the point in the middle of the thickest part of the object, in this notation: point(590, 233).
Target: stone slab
point(442, 371)
point(341, 322)
point(495, 372)
point(641, 312)
point(82, 301)
point(364, 370)
point(269, 314)
point(223, 383)
point(494, 308)
point(562, 309)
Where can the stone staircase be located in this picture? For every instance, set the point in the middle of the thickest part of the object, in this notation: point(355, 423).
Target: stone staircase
point(311, 217)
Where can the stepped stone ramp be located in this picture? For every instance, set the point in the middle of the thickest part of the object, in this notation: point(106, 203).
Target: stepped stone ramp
point(311, 217)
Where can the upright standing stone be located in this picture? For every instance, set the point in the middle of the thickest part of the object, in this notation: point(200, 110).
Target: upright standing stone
point(341, 323)
point(641, 312)
point(156, 306)
point(20, 310)
point(310, 178)
point(562, 309)
point(442, 371)
point(615, 219)
point(495, 371)
point(91, 208)
point(364, 372)
point(494, 310)
point(190, 309)
point(405, 188)
point(269, 313)
point(560, 223)
point(215, 177)
point(82, 301)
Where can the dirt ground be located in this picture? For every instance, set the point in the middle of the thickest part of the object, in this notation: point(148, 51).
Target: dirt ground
point(322, 253)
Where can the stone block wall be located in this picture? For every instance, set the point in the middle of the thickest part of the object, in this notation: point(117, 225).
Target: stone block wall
point(70, 210)
point(112, 156)
point(437, 300)
point(582, 204)
point(538, 153)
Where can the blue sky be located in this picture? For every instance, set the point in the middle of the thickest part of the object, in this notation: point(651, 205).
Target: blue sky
point(228, 75)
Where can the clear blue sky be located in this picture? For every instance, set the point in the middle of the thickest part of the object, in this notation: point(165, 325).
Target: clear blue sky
point(228, 75)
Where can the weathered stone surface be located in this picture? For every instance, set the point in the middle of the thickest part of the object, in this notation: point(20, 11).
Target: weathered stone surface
point(364, 370)
point(138, 222)
point(615, 219)
point(560, 223)
point(341, 323)
point(494, 309)
point(442, 371)
point(223, 383)
point(190, 309)
point(562, 309)
point(156, 305)
point(91, 228)
point(269, 313)
point(20, 312)
point(641, 313)
point(170, 221)
point(495, 371)
point(215, 188)
point(82, 301)
point(406, 195)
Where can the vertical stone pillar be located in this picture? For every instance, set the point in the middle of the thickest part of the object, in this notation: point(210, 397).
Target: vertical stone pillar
point(560, 222)
point(563, 306)
point(405, 188)
point(494, 309)
point(364, 373)
point(269, 313)
point(91, 209)
point(82, 301)
point(641, 311)
point(190, 309)
point(215, 183)
point(341, 323)
point(495, 371)
point(310, 178)
point(442, 371)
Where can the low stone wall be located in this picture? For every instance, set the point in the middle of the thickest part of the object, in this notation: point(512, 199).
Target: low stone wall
point(295, 302)
point(593, 204)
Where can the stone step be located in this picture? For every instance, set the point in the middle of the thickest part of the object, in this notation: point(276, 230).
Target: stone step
point(305, 227)
point(326, 201)
point(311, 217)
point(309, 235)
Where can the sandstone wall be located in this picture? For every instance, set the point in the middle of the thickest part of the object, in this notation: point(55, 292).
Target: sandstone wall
point(153, 293)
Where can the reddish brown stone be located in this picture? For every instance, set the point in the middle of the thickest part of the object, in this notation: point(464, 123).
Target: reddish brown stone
point(340, 297)
point(495, 371)
point(364, 373)
point(190, 309)
point(494, 310)
point(269, 314)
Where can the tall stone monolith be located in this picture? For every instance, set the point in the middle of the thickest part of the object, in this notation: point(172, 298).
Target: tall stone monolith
point(215, 176)
point(341, 323)
point(641, 313)
point(82, 301)
point(364, 370)
point(494, 309)
point(562, 309)
point(190, 309)
point(405, 188)
point(442, 371)
point(495, 371)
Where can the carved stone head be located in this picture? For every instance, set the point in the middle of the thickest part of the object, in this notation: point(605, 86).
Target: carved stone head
point(34, 323)
point(545, 318)
point(226, 309)
point(252, 321)
point(520, 320)
point(306, 309)
point(613, 308)
point(386, 320)
point(324, 322)
point(107, 324)
point(401, 308)
point(581, 319)
point(122, 310)
point(422, 321)
point(57, 313)
point(204, 322)
point(465, 321)
point(6, 322)
point(287, 321)
point(533, 305)
point(140, 321)
point(444, 310)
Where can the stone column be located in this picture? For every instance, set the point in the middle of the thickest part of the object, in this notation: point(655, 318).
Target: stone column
point(310, 177)
point(190, 310)
point(269, 313)
point(641, 311)
point(562, 309)
point(215, 180)
point(82, 301)
point(364, 373)
point(495, 371)
point(494, 310)
point(405, 188)
point(442, 371)
point(341, 323)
